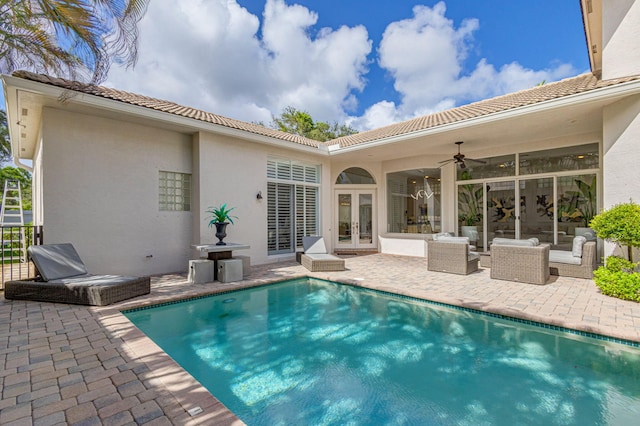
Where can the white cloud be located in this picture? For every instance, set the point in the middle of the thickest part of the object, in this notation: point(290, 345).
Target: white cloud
point(215, 55)
point(425, 56)
point(209, 54)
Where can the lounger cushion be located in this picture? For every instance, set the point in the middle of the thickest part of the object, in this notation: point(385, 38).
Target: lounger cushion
point(563, 256)
point(57, 261)
point(314, 245)
point(439, 235)
point(322, 256)
point(578, 242)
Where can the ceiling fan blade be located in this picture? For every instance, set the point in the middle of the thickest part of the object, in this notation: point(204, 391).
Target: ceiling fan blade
point(445, 162)
point(477, 161)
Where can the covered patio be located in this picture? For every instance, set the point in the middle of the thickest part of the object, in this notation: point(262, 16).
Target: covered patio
point(66, 363)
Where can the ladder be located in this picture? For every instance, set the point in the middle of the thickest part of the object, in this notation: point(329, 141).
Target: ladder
point(11, 215)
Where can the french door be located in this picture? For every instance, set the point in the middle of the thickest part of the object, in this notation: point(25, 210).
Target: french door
point(355, 221)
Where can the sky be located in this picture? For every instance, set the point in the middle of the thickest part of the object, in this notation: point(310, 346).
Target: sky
point(366, 63)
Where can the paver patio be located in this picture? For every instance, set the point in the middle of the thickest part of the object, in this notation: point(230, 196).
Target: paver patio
point(66, 364)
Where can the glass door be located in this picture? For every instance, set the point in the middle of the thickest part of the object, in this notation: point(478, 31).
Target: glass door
point(355, 219)
point(536, 209)
point(502, 210)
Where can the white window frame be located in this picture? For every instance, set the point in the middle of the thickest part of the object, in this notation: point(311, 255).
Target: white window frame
point(294, 182)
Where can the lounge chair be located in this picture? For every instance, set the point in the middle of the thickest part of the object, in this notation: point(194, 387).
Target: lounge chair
point(579, 263)
point(316, 258)
point(64, 279)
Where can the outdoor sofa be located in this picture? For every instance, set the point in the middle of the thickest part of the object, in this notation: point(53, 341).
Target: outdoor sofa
point(525, 261)
point(452, 255)
point(63, 278)
point(315, 257)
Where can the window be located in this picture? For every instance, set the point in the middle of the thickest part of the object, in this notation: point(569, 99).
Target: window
point(174, 191)
point(413, 201)
point(292, 204)
point(355, 175)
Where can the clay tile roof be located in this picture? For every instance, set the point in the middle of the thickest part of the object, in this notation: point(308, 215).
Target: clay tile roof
point(538, 94)
point(570, 86)
point(165, 106)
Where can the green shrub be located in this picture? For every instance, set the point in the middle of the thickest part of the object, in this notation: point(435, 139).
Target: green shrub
point(620, 224)
point(618, 279)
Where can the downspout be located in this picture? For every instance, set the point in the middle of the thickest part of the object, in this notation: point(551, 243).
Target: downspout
point(20, 165)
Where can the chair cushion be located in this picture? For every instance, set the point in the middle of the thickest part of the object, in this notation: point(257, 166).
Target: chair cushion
point(578, 242)
point(56, 261)
point(512, 242)
point(448, 239)
point(439, 235)
point(534, 240)
point(314, 245)
point(563, 256)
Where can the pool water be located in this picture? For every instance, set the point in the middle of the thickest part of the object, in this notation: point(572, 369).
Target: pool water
point(310, 352)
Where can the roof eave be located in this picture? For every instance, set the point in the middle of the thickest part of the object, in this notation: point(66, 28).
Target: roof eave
point(604, 93)
point(13, 85)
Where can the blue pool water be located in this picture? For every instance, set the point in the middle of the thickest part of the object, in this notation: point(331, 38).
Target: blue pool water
point(309, 352)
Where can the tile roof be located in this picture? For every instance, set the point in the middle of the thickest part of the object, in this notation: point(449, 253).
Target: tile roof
point(570, 86)
point(165, 106)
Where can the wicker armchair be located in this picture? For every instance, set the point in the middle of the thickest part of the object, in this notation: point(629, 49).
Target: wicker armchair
point(520, 263)
point(582, 270)
point(451, 257)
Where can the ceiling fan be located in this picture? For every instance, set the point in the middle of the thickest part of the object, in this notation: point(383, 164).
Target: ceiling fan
point(460, 158)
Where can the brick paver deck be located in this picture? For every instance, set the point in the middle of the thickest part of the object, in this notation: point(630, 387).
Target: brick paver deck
point(66, 364)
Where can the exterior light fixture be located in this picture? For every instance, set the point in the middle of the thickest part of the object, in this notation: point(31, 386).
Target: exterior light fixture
point(259, 195)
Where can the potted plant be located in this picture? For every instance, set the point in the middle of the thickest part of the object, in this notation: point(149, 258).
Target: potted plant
point(586, 197)
point(469, 204)
point(220, 218)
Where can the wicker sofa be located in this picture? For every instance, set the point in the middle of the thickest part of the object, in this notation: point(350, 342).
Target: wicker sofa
point(525, 261)
point(64, 279)
point(452, 256)
point(565, 264)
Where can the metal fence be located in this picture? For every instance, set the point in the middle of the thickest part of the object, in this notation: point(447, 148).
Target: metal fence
point(15, 241)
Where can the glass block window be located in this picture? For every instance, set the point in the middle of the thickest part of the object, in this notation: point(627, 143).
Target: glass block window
point(174, 190)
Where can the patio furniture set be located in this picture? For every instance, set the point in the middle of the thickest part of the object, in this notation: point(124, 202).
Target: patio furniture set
point(526, 261)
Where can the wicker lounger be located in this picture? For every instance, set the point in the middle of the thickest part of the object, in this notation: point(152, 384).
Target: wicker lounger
point(452, 257)
point(64, 279)
point(316, 258)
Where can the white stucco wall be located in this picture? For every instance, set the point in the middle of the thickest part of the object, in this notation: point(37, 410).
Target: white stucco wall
point(233, 171)
point(620, 34)
point(621, 150)
point(100, 192)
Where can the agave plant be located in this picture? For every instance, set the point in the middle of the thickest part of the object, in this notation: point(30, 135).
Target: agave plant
point(220, 215)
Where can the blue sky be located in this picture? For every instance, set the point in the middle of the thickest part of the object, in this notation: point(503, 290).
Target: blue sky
point(364, 62)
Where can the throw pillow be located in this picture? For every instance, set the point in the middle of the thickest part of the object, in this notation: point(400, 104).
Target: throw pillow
point(578, 242)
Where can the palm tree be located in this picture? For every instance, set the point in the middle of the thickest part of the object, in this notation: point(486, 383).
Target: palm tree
point(77, 39)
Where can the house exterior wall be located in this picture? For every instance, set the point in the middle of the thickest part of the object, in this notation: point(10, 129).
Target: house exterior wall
point(233, 171)
point(99, 183)
point(620, 34)
point(621, 136)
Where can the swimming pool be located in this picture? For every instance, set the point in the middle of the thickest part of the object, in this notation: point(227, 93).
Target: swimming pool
point(313, 352)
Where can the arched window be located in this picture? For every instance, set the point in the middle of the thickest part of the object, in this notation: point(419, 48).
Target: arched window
point(355, 175)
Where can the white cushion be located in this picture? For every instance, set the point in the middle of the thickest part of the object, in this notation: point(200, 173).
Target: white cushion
point(314, 245)
point(439, 235)
point(534, 240)
point(512, 242)
point(578, 242)
point(473, 256)
point(563, 256)
point(463, 240)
